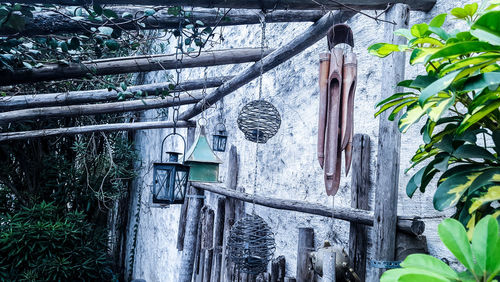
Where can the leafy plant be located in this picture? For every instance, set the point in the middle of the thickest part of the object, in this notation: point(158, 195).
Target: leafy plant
point(38, 244)
point(481, 257)
point(459, 98)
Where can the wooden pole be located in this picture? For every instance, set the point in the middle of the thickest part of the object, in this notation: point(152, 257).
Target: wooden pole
point(133, 64)
point(218, 239)
point(329, 261)
point(191, 132)
point(44, 23)
point(207, 243)
point(310, 36)
point(405, 224)
point(229, 217)
point(278, 269)
point(93, 109)
point(199, 257)
point(389, 143)
point(18, 102)
point(423, 5)
point(360, 198)
point(305, 247)
point(20, 135)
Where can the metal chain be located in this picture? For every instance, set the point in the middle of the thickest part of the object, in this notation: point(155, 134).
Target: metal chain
point(204, 105)
point(178, 69)
point(262, 45)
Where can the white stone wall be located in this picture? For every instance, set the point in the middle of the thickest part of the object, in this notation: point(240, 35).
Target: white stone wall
point(287, 164)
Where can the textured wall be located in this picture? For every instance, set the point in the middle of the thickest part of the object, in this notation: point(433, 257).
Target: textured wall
point(287, 165)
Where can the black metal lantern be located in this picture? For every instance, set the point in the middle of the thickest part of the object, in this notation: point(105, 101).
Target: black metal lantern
point(219, 138)
point(170, 178)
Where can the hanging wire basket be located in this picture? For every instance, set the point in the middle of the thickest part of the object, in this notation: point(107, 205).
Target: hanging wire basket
point(251, 244)
point(259, 120)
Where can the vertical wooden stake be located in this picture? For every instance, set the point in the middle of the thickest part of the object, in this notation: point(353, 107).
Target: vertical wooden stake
point(278, 269)
point(232, 181)
point(329, 261)
point(191, 131)
point(218, 238)
point(389, 143)
point(360, 197)
point(207, 242)
point(305, 247)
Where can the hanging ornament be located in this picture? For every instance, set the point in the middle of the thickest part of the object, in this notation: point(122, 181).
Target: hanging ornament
point(251, 244)
point(219, 138)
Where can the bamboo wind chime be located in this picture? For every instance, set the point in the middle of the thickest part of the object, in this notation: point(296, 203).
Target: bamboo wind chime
point(337, 84)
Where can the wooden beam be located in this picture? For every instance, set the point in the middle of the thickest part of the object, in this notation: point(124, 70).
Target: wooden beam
point(409, 225)
point(12, 136)
point(93, 109)
point(310, 36)
point(389, 143)
point(422, 5)
point(129, 65)
point(102, 95)
point(48, 22)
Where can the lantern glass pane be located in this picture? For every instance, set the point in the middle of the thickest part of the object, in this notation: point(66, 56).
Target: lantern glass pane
point(162, 183)
point(180, 185)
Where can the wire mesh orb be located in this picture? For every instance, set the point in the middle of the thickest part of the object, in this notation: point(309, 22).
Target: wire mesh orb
point(259, 120)
point(251, 244)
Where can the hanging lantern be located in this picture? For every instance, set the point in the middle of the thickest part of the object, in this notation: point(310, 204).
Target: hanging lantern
point(251, 244)
point(259, 120)
point(170, 178)
point(202, 161)
point(220, 138)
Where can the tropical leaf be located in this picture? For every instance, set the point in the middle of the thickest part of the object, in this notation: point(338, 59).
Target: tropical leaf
point(383, 49)
point(437, 86)
point(440, 107)
point(411, 116)
point(411, 275)
point(393, 97)
point(492, 194)
point(419, 30)
point(449, 191)
point(404, 33)
point(422, 54)
point(414, 182)
point(398, 108)
point(478, 114)
point(454, 237)
point(487, 177)
point(464, 48)
point(485, 245)
point(466, 63)
point(426, 40)
point(487, 28)
point(481, 81)
point(429, 263)
point(438, 20)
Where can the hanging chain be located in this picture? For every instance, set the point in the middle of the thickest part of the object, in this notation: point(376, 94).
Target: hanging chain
point(262, 45)
point(204, 105)
point(178, 69)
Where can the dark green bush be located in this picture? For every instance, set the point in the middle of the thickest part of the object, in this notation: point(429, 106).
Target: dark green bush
point(40, 244)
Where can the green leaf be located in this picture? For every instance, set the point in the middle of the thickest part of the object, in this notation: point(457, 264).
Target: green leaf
point(428, 40)
point(110, 14)
point(485, 245)
point(383, 49)
point(421, 55)
point(481, 81)
point(449, 191)
point(112, 44)
point(464, 48)
point(149, 12)
point(439, 32)
point(468, 62)
point(492, 194)
point(392, 104)
point(459, 13)
point(438, 20)
point(414, 182)
point(487, 28)
point(479, 113)
point(419, 30)
point(440, 107)
point(454, 237)
point(487, 177)
point(105, 30)
point(97, 9)
point(429, 263)
point(398, 108)
point(404, 33)
point(411, 275)
point(471, 9)
point(411, 116)
point(437, 86)
point(127, 15)
point(422, 81)
point(470, 151)
point(393, 97)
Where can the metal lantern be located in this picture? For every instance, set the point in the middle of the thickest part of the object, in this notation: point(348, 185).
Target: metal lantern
point(220, 138)
point(259, 120)
point(251, 244)
point(170, 178)
point(203, 162)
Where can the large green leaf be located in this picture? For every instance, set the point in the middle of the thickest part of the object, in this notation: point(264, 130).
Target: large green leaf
point(454, 237)
point(411, 275)
point(429, 263)
point(411, 116)
point(481, 81)
point(478, 114)
point(398, 108)
point(383, 49)
point(468, 62)
point(440, 107)
point(392, 104)
point(485, 242)
point(422, 54)
point(394, 97)
point(487, 177)
point(492, 194)
point(414, 182)
point(470, 151)
point(437, 86)
point(449, 191)
point(487, 28)
point(482, 98)
point(464, 48)
point(438, 20)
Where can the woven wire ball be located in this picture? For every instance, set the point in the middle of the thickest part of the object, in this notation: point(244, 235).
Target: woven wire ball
point(251, 244)
point(259, 120)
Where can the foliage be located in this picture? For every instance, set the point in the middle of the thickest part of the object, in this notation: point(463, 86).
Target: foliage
point(38, 244)
point(459, 98)
point(481, 257)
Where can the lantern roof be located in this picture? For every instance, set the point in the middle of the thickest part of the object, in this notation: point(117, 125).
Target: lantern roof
point(201, 151)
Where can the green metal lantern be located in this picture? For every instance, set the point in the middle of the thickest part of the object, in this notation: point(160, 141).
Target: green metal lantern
point(202, 161)
point(170, 178)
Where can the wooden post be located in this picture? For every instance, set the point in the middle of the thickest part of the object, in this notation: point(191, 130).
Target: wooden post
point(389, 143)
point(218, 239)
point(305, 247)
point(231, 184)
point(207, 243)
point(199, 258)
point(360, 197)
point(278, 269)
point(329, 261)
point(290, 279)
point(182, 219)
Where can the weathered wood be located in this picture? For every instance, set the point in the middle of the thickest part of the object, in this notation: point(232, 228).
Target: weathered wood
point(310, 36)
point(304, 248)
point(407, 245)
point(134, 64)
point(191, 132)
point(193, 217)
point(423, 5)
point(389, 143)
point(207, 230)
point(44, 23)
point(329, 261)
point(198, 259)
point(218, 239)
point(18, 102)
point(360, 198)
point(290, 279)
point(229, 217)
point(405, 224)
point(278, 269)
point(20, 135)
point(93, 109)
point(207, 267)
